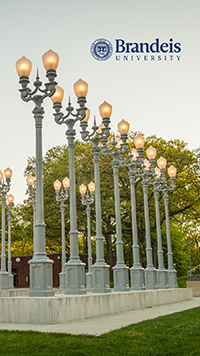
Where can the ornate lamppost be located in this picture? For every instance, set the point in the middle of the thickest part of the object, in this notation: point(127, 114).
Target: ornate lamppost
point(41, 281)
point(165, 188)
point(143, 169)
point(9, 203)
point(161, 271)
point(32, 194)
point(62, 196)
point(74, 268)
point(101, 278)
point(4, 189)
point(120, 270)
point(88, 200)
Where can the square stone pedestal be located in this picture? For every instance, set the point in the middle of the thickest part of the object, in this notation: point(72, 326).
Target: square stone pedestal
point(101, 278)
point(75, 278)
point(4, 280)
point(41, 278)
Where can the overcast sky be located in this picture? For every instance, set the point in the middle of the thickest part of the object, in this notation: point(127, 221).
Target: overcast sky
point(157, 97)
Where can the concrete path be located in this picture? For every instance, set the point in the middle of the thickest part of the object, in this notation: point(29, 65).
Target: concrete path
point(104, 324)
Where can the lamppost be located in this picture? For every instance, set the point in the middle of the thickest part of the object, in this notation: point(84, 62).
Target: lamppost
point(4, 188)
point(9, 203)
point(74, 268)
point(161, 271)
point(101, 278)
point(136, 271)
point(41, 281)
point(88, 200)
point(165, 188)
point(120, 270)
point(144, 169)
point(62, 197)
point(32, 194)
point(17, 279)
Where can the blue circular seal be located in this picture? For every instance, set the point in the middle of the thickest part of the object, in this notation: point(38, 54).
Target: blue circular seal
point(101, 49)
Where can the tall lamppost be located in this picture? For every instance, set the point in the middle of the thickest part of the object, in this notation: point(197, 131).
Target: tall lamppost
point(9, 203)
point(62, 196)
point(165, 188)
point(32, 194)
point(161, 271)
point(120, 270)
point(41, 281)
point(4, 188)
point(74, 268)
point(101, 277)
point(88, 200)
point(144, 171)
point(136, 271)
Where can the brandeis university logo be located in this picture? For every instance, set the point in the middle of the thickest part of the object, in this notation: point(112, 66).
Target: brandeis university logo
point(157, 50)
point(101, 49)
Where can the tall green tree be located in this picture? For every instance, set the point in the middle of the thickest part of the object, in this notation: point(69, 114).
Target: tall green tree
point(184, 207)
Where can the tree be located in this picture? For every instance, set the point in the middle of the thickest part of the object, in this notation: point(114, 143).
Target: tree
point(184, 207)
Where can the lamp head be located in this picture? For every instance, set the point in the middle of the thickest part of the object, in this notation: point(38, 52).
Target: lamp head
point(50, 60)
point(82, 189)
point(105, 110)
point(66, 182)
point(57, 185)
point(23, 66)
point(30, 181)
point(151, 152)
point(80, 88)
point(162, 162)
point(91, 187)
point(123, 127)
point(57, 97)
point(139, 141)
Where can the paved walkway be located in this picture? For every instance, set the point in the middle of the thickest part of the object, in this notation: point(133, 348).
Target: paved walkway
point(104, 324)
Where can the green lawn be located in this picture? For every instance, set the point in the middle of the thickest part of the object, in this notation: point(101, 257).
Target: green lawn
point(175, 334)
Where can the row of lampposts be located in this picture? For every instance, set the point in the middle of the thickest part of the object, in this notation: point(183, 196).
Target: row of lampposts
point(6, 278)
point(74, 269)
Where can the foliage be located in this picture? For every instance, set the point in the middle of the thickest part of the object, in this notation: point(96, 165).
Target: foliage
point(170, 335)
point(184, 206)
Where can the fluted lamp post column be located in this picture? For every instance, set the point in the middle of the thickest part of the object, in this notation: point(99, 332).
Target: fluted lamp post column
point(119, 147)
point(161, 271)
point(4, 188)
point(136, 271)
point(41, 279)
point(9, 203)
point(74, 268)
point(100, 270)
point(32, 194)
point(150, 271)
point(88, 200)
point(172, 273)
point(62, 196)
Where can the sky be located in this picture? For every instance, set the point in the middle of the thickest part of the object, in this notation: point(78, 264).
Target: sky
point(155, 96)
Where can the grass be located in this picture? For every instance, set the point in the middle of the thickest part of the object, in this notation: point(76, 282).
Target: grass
point(175, 334)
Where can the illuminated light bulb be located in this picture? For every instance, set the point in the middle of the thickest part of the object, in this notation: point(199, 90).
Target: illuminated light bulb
point(105, 110)
point(134, 154)
point(24, 67)
point(82, 189)
point(172, 171)
point(151, 152)
point(50, 60)
point(162, 162)
point(57, 97)
point(57, 185)
point(80, 88)
point(139, 141)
